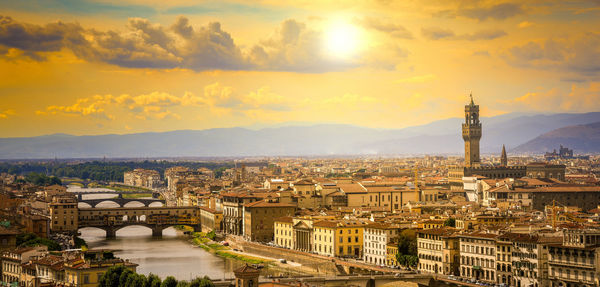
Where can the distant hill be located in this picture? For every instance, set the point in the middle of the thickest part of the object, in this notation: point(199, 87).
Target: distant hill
point(580, 138)
point(439, 137)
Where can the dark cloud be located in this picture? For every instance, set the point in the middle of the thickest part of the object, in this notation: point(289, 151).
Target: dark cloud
point(578, 57)
point(34, 39)
point(484, 35)
point(392, 29)
point(437, 33)
point(498, 12)
point(294, 47)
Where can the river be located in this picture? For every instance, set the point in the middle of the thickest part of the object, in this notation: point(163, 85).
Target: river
point(171, 255)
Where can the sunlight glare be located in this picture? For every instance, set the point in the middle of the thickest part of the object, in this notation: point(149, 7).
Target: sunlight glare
point(342, 39)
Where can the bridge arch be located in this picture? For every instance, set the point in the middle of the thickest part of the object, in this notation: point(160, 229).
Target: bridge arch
point(83, 204)
point(136, 202)
point(97, 202)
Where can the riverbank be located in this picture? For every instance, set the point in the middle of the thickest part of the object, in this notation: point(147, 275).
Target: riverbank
point(206, 241)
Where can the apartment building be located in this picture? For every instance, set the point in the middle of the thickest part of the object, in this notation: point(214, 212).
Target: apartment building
point(64, 213)
point(478, 256)
point(146, 178)
point(341, 238)
point(438, 251)
point(575, 261)
point(284, 230)
point(259, 219)
point(375, 240)
point(13, 260)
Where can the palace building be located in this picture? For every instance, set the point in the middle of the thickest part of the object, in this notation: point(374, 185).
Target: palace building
point(472, 131)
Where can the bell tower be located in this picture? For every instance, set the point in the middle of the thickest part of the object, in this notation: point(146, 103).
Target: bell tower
point(471, 132)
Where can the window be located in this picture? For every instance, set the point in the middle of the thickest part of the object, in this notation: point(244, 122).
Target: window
point(86, 279)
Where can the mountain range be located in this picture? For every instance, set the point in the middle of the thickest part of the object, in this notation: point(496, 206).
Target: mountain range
point(580, 138)
point(438, 137)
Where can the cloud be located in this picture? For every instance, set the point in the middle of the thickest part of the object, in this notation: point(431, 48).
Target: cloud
point(579, 55)
point(392, 29)
point(82, 107)
point(7, 113)
point(33, 40)
point(525, 24)
point(438, 33)
point(293, 47)
point(483, 35)
point(499, 12)
point(580, 98)
point(216, 98)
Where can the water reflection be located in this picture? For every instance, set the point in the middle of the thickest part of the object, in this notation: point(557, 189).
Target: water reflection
point(171, 255)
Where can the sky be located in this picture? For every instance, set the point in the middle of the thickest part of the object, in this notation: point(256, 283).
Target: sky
point(88, 67)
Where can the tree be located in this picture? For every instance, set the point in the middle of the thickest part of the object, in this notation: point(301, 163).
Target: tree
point(112, 276)
point(450, 222)
point(170, 281)
point(183, 284)
point(407, 248)
point(153, 281)
point(202, 282)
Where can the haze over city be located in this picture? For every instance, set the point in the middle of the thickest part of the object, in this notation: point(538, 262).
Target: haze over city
point(98, 67)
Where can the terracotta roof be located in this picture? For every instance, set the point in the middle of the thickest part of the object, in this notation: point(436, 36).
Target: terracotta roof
point(438, 231)
point(566, 188)
point(351, 188)
point(287, 219)
point(262, 203)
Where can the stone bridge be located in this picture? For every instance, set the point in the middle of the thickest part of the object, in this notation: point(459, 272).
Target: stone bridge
point(119, 200)
point(155, 218)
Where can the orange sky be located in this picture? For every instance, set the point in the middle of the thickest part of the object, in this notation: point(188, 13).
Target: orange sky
point(97, 67)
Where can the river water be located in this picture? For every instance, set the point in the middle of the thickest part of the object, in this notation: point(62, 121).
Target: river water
point(171, 255)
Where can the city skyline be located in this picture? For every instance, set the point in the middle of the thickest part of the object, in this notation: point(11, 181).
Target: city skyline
point(99, 67)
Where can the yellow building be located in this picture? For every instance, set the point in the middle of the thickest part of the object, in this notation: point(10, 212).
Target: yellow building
point(325, 234)
point(210, 219)
point(87, 273)
point(340, 238)
point(284, 229)
point(388, 197)
point(431, 224)
point(64, 213)
point(391, 251)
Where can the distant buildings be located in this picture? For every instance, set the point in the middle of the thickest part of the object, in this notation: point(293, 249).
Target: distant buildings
point(563, 153)
point(143, 178)
point(471, 132)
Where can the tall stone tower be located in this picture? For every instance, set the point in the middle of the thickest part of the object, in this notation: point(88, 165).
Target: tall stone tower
point(471, 132)
point(503, 157)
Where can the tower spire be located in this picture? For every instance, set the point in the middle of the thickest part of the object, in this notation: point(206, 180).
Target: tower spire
point(471, 95)
point(503, 157)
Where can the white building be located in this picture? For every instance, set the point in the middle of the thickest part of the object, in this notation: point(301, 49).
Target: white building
point(375, 239)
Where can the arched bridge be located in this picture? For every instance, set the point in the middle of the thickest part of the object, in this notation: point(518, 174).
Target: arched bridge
point(155, 218)
point(119, 200)
point(80, 193)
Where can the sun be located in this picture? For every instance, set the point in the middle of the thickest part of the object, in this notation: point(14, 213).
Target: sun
point(342, 39)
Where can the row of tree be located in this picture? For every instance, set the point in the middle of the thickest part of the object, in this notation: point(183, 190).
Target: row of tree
point(120, 276)
point(101, 170)
point(40, 179)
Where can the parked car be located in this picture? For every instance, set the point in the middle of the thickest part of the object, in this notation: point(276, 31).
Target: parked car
point(282, 261)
